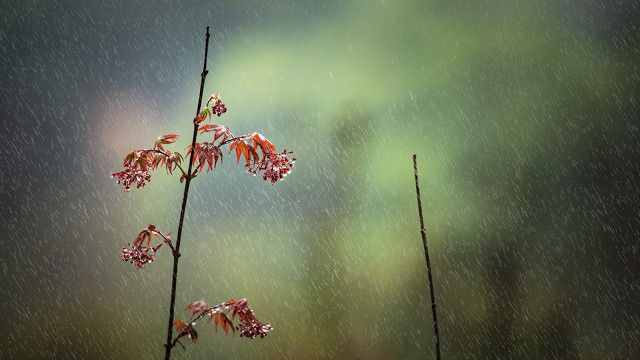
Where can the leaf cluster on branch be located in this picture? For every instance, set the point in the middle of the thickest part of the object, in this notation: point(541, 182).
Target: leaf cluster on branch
point(259, 154)
point(231, 315)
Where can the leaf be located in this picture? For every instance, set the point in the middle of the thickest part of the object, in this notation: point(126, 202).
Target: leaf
point(216, 155)
point(221, 320)
point(254, 153)
point(180, 326)
point(144, 235)
point(206, 128)
point(239, 306)
point(168, 139)
point(223, 132)
point(265, 145)
point(185, 329)
point(197, 307)
point(193, 334)
point(241, 148)
point(129, 158)
point(202, 116)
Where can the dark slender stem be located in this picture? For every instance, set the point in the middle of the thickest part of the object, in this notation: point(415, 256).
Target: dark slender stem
point(423, 234)
point(169, 344)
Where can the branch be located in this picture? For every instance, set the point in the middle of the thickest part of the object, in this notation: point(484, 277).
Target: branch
point(168, 242)
point(423, 234)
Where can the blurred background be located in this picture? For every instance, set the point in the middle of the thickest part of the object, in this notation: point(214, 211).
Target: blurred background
point(524, 116)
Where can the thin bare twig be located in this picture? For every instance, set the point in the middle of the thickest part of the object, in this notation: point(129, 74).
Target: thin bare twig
point(423, 234)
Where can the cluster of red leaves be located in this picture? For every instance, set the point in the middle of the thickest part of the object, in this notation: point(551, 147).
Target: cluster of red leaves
point(259, 153)
point(223, 316)
point(138, 163)
point(208, 153)
point(141, 251)
point(273, 166)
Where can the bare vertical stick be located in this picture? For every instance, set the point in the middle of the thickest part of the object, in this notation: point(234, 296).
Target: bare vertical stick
point(423, 234)
point(174, 279)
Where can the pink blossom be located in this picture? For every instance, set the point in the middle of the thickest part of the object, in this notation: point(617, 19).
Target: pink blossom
point(132, 176)
point(254, 328)
point(273, 166)
point(138, 255)
point(249, 326)
point(218, 107)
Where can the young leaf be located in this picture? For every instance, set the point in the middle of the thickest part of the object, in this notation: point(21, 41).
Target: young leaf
point(180, 326)
point(202, 116)
point(197, 307)
point(168, 139)
point(221, 320)
point(206, 128)
point(265, 145)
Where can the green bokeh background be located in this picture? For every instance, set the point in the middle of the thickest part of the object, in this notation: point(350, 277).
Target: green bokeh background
point(523, 115)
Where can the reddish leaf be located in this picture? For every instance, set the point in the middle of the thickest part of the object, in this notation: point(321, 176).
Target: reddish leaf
point(185, 329)
point(168, 139)
point(206, 128)
point(202, 116)
point(265, 145)
point(241, 148)
point(197, 307)
point(254, 153)
point(129, 158)
point(193, 334)
point(180, 326)
point(222, 132)
point(221, 320)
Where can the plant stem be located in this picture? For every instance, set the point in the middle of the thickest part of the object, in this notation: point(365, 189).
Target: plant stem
point(169, 345)
point(423, 234)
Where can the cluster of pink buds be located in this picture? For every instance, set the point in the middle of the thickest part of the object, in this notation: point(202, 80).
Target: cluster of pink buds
point(132, 175)
point(273, 166)
point(249, 326)
point(139, 255)
point(254, 328)
point(217, 106)
point(141, 252)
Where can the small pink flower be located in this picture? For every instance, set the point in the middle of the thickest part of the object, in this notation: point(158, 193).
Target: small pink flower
point(249, 326)
point(141, 251)
point(219, 108)
point(254, 328)
point(131, 176)
point(138, 255)
point(273, 166)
